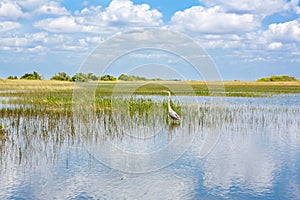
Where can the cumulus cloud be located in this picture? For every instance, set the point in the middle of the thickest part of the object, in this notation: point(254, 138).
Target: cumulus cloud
point(94, 19)
point(33, 42)
point(220, 24)
point(285, 32)
point(292, 6)
point(213, 21)
point(90, 40)
point(8, 25)
point(14, 10)
point(125, 12)
point(52, 8)
point(37, 49)
point(30, 5)
point(14, 42)
point(275, 45)
point(44, 38)
point(263, 8)
point(65, 24)
point(10, 10)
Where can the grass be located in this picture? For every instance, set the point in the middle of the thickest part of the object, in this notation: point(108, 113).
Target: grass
point(58, 92)
point(263, 89)
point(42, 117)
point(2, 132)
point(56, 97)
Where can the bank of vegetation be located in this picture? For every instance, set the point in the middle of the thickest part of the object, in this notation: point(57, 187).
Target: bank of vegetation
point(82, 77)
point(282, 78)
point(125, 84)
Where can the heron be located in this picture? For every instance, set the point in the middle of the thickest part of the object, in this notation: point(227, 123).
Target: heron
point(172, 113)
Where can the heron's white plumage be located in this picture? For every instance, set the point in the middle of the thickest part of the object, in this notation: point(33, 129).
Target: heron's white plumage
point(172, 113)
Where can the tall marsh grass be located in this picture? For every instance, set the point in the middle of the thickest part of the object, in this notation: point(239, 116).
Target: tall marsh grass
point(42, 117)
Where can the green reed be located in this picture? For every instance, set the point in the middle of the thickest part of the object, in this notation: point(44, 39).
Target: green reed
point(40, 119)
point(58, 88)
point(29, 130)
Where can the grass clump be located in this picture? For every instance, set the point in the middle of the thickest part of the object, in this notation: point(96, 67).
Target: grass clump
point(2, 132)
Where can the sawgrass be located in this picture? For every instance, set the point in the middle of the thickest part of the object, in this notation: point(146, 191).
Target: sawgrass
point(59, 91)
point(40, 119)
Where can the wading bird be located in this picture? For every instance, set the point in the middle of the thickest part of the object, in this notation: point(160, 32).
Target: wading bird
point(172, 113)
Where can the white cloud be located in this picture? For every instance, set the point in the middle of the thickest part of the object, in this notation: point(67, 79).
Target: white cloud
point(259, 7)
point(36, 42)
point(90, 40)
point(221, 41)
point(65, 24)
point(213, 21)
point(94, 19)
point(13, 10)
point(275, 45)
point(37, 49)
point(47, 39)
point(292, 6)
point(30, 5)
point(14, 42)
point(125, 12)
point(10, 10)
point(52, 8)
point(8, 25)
point(284, 32)
point(37, 37)
point(92, 10)
point(65, 47)
point(5, 48)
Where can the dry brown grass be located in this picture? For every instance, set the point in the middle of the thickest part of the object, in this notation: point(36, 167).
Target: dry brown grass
point(35, 85)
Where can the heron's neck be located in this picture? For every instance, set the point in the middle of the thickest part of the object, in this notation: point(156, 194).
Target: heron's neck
point(169, 106)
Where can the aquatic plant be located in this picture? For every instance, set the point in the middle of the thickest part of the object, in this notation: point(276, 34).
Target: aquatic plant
point(2, 132)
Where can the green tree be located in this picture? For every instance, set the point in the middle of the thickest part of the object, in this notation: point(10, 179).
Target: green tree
point(80, 77)
point(108, 78)
point(12, 77)
point(92, 77)
point(32, 76)
point(125, 77)
point(278, 79)
point(61, 76)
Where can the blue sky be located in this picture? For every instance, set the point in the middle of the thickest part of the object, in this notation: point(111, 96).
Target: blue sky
point(246, 39)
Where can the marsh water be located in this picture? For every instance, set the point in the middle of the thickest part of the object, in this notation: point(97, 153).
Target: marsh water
point(223, 148)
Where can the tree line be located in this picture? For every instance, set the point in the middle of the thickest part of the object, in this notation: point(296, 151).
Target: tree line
point(81, 77)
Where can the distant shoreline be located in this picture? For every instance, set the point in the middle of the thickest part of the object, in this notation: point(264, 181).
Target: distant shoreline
point(188, 88)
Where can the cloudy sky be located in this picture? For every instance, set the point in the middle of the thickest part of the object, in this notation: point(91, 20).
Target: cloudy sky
point(247, 39)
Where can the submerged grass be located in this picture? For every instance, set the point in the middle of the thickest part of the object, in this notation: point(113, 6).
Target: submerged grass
point(40, 129)
point(41, 118)
point(2, 132)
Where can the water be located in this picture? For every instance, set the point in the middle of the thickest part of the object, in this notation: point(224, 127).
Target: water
point(231, 148)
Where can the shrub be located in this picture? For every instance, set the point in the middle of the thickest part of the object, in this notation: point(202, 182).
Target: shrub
point(80, 77)
point(61, 76)
point(33, 76)
point(12, 77)
point(125, 77)
point(277, 79)
point(108, 78)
